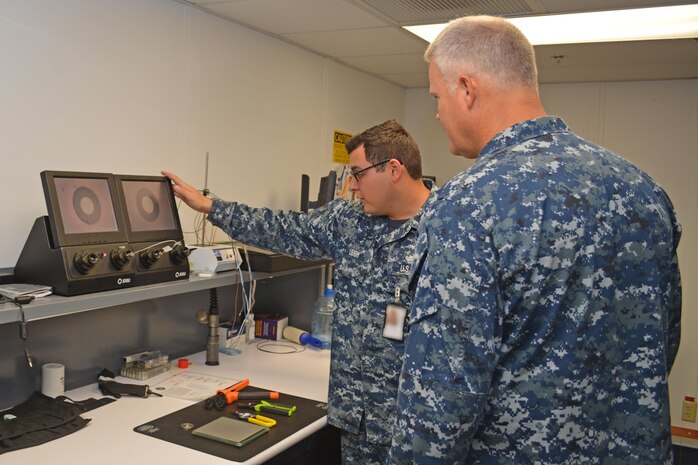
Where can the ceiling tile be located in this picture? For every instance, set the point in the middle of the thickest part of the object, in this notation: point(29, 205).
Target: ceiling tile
point(356, 35)
point(410, 12)
point(292, 16)
point(627, 61)
point(565, 6)
point(618, 53)
point(209, 2)
point(360, 42)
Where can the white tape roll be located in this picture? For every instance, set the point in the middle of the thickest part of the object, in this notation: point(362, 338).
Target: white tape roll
point(53, 379)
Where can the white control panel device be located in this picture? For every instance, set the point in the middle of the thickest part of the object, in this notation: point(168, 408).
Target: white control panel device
point(212, 259)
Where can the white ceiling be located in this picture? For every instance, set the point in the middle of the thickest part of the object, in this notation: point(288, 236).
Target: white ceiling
point(366, 35)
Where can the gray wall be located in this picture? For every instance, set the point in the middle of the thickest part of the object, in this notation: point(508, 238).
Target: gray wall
point(135, 87)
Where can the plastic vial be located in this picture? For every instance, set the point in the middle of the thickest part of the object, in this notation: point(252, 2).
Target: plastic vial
point(250, 328)
point(323, 308)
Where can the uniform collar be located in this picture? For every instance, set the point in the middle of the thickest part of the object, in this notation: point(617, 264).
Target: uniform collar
point(523, 131)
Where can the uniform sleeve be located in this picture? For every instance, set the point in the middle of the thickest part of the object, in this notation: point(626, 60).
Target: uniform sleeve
point(453, 339)
point(673, 296)
point(308, 236)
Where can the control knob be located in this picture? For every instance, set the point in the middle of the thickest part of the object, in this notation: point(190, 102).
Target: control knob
point(84, 261)
point(148, 257)
point(120, 257)
point(178, 253)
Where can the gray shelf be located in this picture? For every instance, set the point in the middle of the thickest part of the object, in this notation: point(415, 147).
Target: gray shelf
point(55, 306)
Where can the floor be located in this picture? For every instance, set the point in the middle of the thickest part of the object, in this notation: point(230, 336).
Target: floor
point(685, 456)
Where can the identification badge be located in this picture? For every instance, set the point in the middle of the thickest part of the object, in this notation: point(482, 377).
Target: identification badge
point(394, 323)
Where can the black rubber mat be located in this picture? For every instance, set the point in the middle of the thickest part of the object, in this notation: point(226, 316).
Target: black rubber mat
point(169, 428)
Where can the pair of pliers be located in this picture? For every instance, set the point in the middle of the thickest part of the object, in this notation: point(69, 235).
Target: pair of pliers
point(268, 407)
point(256, 419)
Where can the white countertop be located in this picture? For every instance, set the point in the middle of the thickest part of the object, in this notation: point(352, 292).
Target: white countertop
point(109, 439)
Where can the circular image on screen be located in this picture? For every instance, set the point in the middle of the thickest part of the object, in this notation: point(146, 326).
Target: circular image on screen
point(147, 204)
point(86, 205)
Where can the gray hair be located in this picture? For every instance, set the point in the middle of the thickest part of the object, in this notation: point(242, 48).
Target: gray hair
point(485, 46)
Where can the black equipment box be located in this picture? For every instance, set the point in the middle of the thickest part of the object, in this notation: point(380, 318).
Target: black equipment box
point(270, 262)
point(104, 232)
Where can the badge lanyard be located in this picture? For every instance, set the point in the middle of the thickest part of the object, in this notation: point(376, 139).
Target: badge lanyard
point(395, 317)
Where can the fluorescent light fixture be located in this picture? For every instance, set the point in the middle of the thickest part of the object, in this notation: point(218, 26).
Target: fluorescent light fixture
point(671, 22)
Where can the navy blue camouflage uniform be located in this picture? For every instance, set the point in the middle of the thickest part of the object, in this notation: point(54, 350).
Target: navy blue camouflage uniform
point(546, 311)
point(371, 261)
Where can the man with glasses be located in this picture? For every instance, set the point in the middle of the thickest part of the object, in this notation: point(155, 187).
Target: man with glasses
point(372, 243)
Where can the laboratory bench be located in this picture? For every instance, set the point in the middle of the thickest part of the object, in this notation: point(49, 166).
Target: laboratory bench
point(90, 332)
point(109, 438)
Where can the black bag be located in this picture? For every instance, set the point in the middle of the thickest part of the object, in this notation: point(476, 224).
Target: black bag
point(38, 420)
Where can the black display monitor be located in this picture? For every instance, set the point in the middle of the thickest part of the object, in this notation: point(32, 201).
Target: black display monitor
point(83, 208)
point(149, 208)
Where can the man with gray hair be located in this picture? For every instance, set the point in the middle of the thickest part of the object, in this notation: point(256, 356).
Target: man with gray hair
point(547, 295)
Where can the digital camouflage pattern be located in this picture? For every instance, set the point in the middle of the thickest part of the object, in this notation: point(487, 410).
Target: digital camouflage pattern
point(546, 310)
point(370, 262)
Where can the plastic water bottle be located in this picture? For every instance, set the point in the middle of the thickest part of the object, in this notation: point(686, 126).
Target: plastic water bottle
point(323, 308)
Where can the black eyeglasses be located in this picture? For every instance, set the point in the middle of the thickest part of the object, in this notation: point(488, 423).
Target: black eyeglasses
point(357, 174)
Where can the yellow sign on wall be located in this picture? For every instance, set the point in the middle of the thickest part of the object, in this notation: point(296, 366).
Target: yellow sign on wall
point(339, 152)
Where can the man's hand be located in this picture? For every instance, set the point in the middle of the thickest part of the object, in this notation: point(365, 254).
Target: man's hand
point(192, 197)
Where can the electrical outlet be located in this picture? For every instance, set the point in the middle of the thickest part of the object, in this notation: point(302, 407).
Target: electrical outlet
point(689, 408)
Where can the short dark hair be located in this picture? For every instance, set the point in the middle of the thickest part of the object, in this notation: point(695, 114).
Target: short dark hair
point(389, 140)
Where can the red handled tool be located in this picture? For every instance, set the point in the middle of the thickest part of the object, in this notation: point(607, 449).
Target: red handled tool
point(233, 393)
point(224, 396)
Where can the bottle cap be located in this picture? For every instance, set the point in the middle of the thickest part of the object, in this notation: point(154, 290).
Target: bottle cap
point(183, 363)
point(307, 339)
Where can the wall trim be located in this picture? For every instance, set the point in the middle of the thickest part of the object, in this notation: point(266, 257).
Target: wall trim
point(684, 432)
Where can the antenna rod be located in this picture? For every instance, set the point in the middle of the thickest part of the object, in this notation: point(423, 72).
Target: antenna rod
point(205, 192)
point(206, 176)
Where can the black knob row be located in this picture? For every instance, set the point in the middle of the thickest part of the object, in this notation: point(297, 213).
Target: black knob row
point(85, 261)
